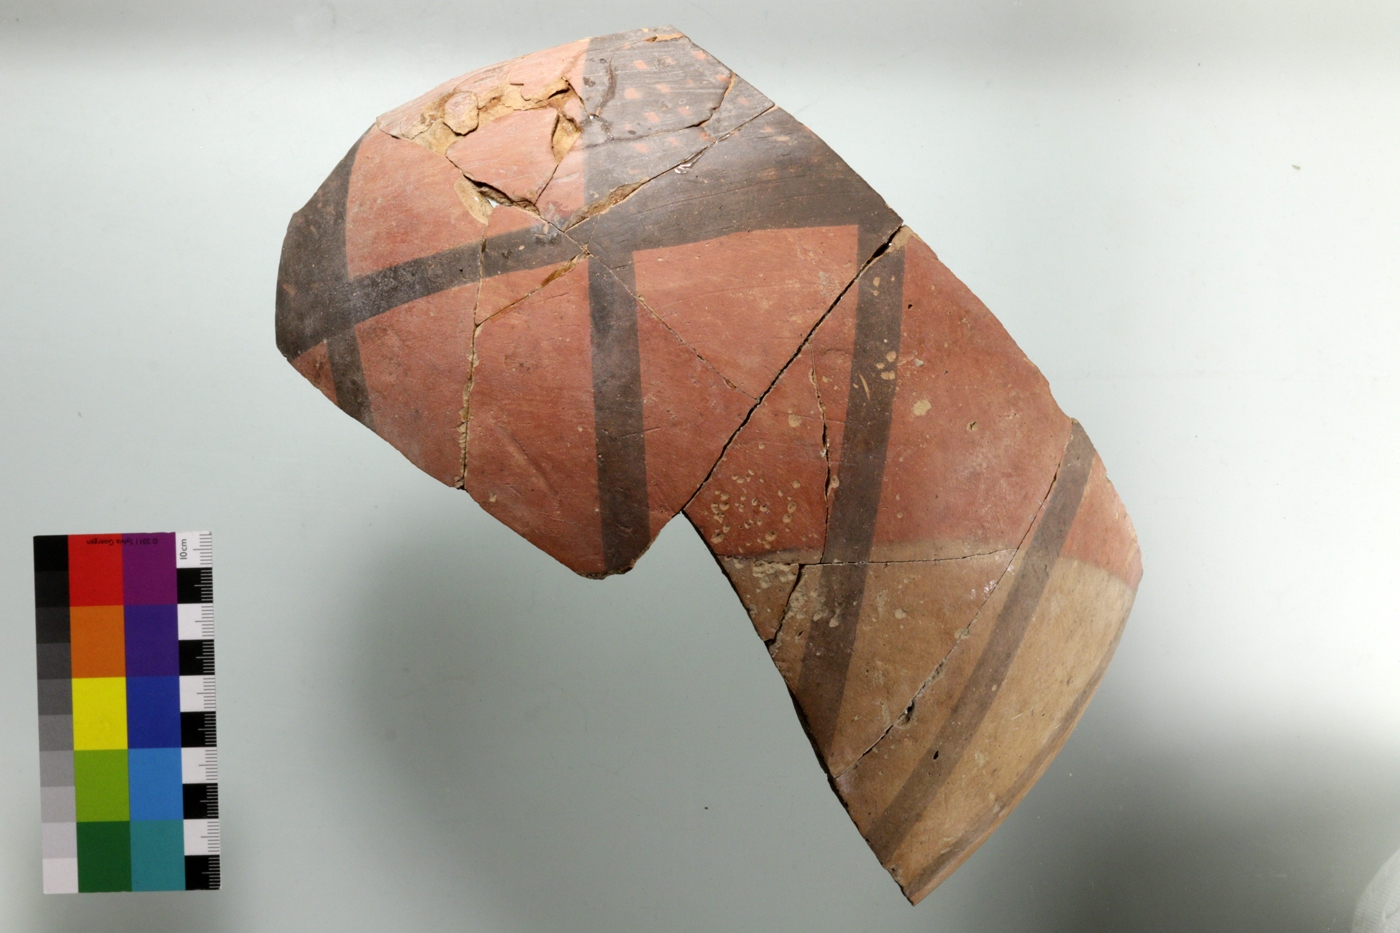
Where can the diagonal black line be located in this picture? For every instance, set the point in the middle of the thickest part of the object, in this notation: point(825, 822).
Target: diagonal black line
point(1028, 775)
point(779, 176)
point(742, 184)
point(850, 533)
point(953, 738)
point(348, 375)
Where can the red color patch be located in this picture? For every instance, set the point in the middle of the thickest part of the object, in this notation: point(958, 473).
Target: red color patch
point(563, 196)
point(95, 570)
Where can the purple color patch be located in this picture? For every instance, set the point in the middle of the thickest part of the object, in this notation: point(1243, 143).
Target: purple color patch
point(152, 641)
point(148, 569)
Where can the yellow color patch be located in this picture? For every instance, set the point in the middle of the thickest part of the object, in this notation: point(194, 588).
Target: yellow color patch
point(99, 713)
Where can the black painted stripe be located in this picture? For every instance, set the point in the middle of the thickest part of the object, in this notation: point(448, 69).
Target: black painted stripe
point(970, 709)
point(370, 295)
point(753, 180)
point(975, 833)
point(786, 178)
point(826, 657)
point(744, 183)
point(617, 419)
point(311, 276)
point(348, 374)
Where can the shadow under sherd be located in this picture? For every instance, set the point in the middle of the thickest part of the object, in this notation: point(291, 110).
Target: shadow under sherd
point(621, 755)
point(1270, 836)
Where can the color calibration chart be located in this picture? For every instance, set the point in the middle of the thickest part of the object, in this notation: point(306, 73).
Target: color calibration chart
point(127, 745)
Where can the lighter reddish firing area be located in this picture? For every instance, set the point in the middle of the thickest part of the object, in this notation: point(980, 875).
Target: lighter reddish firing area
point(610, 282)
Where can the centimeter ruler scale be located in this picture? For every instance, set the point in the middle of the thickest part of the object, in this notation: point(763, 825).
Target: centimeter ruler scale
point(128, 750)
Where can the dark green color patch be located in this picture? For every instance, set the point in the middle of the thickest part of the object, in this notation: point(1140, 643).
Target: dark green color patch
point(104, 856)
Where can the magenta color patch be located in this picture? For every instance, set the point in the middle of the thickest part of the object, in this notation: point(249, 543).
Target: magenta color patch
point(148, 569)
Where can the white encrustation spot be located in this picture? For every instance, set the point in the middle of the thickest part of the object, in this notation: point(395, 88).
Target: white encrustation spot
point(921, 407)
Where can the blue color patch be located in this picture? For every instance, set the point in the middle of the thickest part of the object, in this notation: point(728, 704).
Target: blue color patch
point(154, 782)
point(153, 712)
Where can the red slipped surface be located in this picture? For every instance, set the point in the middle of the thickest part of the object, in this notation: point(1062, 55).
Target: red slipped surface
point(563, 198)
point(484, 81)
point(531, 457)
point(417, 361)
point(746, 301)
point(1103, 533)
point(573, 109)
point(975, 436)
point(832, 347)
point(688, 412)
point(508, 219)
point(412, 118)
point(402, 205)
point(315, 367)
point(542, 74)
point(500, 291)
point(905, 512)
point(793, 436)
point(768, 493)
point(513, 154)
point(594, 170)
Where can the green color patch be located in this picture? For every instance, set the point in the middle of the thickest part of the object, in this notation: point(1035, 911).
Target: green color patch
point(104, 857)
point(101, 782)
point(158, 855)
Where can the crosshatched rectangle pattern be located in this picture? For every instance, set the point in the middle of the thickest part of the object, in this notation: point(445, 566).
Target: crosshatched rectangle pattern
point(124, 632)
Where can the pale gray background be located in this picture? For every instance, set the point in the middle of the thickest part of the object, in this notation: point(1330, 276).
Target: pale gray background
point(1187, 213)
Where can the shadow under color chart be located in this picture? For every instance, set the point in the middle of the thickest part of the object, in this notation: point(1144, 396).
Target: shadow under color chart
point(127, 743)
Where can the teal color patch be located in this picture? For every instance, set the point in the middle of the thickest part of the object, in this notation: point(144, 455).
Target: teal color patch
point(157, 855)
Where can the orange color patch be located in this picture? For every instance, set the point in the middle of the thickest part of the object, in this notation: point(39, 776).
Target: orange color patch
point(99, 641)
